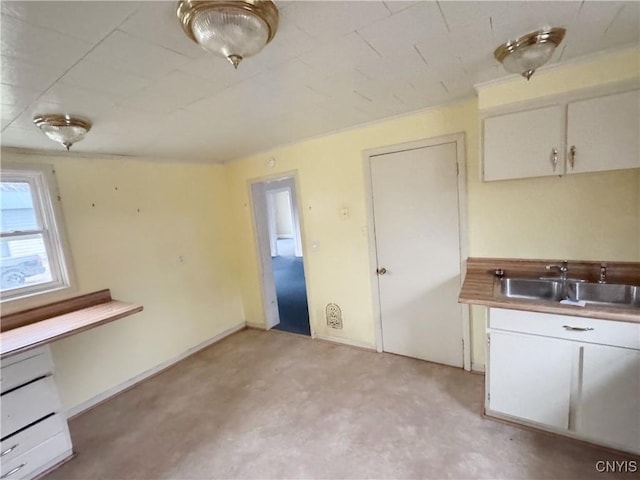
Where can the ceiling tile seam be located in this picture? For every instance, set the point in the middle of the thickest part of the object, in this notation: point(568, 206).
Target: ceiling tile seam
point(562, 52)
point(615, 17)
point(49, 29)
point(580, 8)
point(368, 44)
point(444, 18)
point(46, 90)
point(415, 47)
point(137, 37)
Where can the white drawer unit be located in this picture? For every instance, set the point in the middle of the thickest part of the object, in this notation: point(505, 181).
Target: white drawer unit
point(21, 442)
point(38, 459)
point(34, 432)
point(570, 375)
point(28, 366)
point(26, 405)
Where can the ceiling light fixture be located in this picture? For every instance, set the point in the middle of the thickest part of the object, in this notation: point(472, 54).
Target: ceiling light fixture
point(234, 30)
point(64, 129)
point(527, 53)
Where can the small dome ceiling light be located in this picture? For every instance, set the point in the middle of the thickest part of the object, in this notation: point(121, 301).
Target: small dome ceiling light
point(233, 30)
point(64, 129)
point(526, 54)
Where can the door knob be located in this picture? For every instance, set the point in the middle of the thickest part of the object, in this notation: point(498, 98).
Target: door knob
point(381, 271)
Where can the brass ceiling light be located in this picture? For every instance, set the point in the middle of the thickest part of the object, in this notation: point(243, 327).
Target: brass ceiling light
point(62, 128)
point(527, 53)
point(234, 30)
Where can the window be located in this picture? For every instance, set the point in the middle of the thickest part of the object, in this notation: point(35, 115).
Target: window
point(32, 244)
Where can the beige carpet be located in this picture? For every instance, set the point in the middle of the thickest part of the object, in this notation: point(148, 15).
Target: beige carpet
point(277, 405)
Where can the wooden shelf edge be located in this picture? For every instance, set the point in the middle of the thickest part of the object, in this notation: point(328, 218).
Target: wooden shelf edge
point(45, 331)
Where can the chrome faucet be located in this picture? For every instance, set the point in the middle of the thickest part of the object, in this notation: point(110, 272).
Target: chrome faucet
point(563, 269)
point(603, 273)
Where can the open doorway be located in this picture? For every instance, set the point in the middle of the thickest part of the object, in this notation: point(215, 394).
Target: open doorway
point(280, 248)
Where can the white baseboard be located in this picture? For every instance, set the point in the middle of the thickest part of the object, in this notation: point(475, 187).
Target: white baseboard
point(344, 341)
point(477, 367)
point(257, 326)
point(86, 405)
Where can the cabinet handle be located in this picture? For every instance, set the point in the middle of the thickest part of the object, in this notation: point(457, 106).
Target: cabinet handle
point(554, 158)
point(9, 450)
point(577, 329)
point(572, 156)
point(15, 470)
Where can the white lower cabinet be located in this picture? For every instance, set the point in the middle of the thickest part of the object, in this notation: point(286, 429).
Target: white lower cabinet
point(542, 394)
point(35, 435)
point(574, 376)
point(608, 407)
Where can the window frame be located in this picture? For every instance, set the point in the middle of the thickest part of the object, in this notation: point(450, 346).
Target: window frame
point(47, 205)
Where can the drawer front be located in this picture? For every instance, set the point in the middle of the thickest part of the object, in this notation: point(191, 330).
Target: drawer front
point(38, 459)
point(590, 330)
point(18, 444)
point(28, 404)
point(29, 367)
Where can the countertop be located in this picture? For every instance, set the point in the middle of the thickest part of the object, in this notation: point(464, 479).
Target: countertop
point(43, 331)
point(478, 286)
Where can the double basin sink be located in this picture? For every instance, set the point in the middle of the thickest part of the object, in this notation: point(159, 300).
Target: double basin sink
point(557, 289)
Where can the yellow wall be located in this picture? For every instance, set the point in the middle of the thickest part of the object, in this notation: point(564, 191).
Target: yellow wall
point(569, 217)
point(184, 211)
point(203, 213)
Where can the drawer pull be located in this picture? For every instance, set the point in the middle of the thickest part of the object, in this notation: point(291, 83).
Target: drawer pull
point(9, 450)
point(15, 470)
point(577, 329)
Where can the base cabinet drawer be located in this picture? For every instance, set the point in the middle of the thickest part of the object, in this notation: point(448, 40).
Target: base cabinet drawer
point(38, 459)
point(28, 368)
point(28, 404)
point(19, 443)
point(581, 329)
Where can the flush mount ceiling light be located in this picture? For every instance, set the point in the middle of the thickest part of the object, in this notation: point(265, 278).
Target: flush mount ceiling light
point(64, 129)
point(231, 29)
point(526, 54)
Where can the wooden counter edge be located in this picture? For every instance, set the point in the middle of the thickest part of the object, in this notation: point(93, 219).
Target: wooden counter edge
point(32, 339)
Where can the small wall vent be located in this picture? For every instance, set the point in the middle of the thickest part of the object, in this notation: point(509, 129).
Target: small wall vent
point(334, 316)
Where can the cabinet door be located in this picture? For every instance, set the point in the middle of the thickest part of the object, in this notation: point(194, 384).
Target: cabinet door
point(609, 405)
point(522, 144)
point(530, 378)
point(604, 133)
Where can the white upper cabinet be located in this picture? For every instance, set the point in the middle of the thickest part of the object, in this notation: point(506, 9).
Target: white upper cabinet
point(604, 133)
point(577, 136)
point(523, 144)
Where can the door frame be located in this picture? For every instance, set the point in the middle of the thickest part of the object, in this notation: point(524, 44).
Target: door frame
point(267, 291)
point(459, 140)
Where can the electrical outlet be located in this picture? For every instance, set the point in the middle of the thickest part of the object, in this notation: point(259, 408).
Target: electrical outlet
point(334, 316)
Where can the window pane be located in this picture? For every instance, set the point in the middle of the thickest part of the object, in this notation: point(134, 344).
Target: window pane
point(24, 262)
point(18, 212)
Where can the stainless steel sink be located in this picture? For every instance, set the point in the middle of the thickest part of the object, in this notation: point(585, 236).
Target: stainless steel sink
point(555, 290)
point(605, 294)
point(532, 289)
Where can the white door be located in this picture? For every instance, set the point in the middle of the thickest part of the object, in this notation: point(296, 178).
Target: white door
point(415, 205)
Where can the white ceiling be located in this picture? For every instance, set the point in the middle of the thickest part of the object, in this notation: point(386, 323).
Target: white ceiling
point(150, 91)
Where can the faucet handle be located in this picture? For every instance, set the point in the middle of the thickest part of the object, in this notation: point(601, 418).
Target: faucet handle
point(603, 273)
